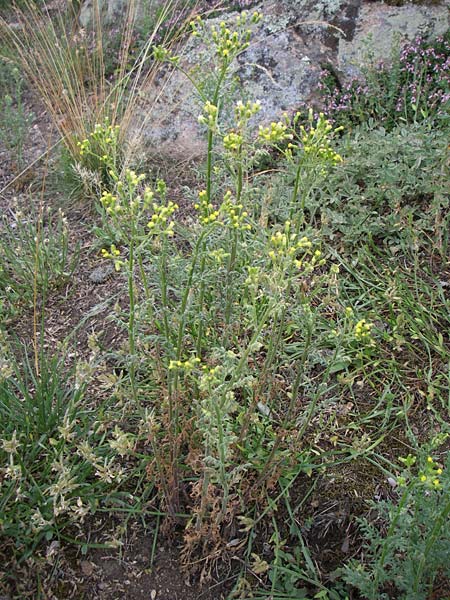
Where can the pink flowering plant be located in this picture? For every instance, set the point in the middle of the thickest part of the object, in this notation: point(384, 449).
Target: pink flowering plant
point(412, 86)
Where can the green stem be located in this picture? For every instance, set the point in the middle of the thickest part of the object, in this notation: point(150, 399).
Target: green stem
point(187, 291)
point(131, 318)
point(274, 343)
point(430, 543)
point(218, 408)
point(232, 258)
point(164, 298)
point(201, 297)
point(173, 385)
point(295, 191)
point(209, 174)
point(229, 281)
point(143, 276)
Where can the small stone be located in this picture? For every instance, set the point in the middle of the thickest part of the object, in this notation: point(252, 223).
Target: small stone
point(87, 568)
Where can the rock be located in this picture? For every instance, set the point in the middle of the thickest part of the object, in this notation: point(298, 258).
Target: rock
point(87, 568)
point(381, 24)
point(283, 64)
point(108, 9)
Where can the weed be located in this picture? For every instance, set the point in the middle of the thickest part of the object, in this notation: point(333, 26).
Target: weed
point(414, 86)
point(15, 119)
point(409, 545)
point(221, 307)
point(35, 248)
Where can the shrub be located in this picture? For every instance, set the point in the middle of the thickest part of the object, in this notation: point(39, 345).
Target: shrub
point(408, 545)
point(413, 86)
point(390, 188)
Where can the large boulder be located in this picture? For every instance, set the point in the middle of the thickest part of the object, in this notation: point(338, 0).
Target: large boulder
point(282, 66)
point(281, 69)
point(379, 25)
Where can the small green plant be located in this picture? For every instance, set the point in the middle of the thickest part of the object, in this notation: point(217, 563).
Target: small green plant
point(412, 86)
point(409, 544)
point(14, 118)
point(58, 462)
point(36, 258)
point(100, 153)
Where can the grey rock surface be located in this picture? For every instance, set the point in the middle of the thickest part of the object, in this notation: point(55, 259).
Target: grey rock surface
point(109, 10)
point(282, 66)
point(379, 24)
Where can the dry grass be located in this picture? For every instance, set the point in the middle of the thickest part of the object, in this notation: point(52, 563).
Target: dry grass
point(66, 65)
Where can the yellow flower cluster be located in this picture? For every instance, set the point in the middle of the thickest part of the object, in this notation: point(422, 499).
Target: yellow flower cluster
point(362, 330)
point(244, 17)
point(186, 365)
point(244, 112)
point(317, 140)
point(196, 26)
point(209, 118)
point(275, 133)
point(207, 213)
point(430, 476)
point(219, 256)
point(130, 203)
point(232, 142)
point(84, 146)
point(101, 142)
point(285, 244)
point(235, 213)
point(111, 203)
point(159, 222)
point(227, 43)
point(126, 202)
point(162, 54)
point(113, 253)
point(313, 261)
point(253, 278)
point(210, 377)
point(286, 247)
point(132, 179)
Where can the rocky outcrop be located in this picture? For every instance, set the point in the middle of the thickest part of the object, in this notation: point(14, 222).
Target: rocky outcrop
point(282, 66)
point(378, 25)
